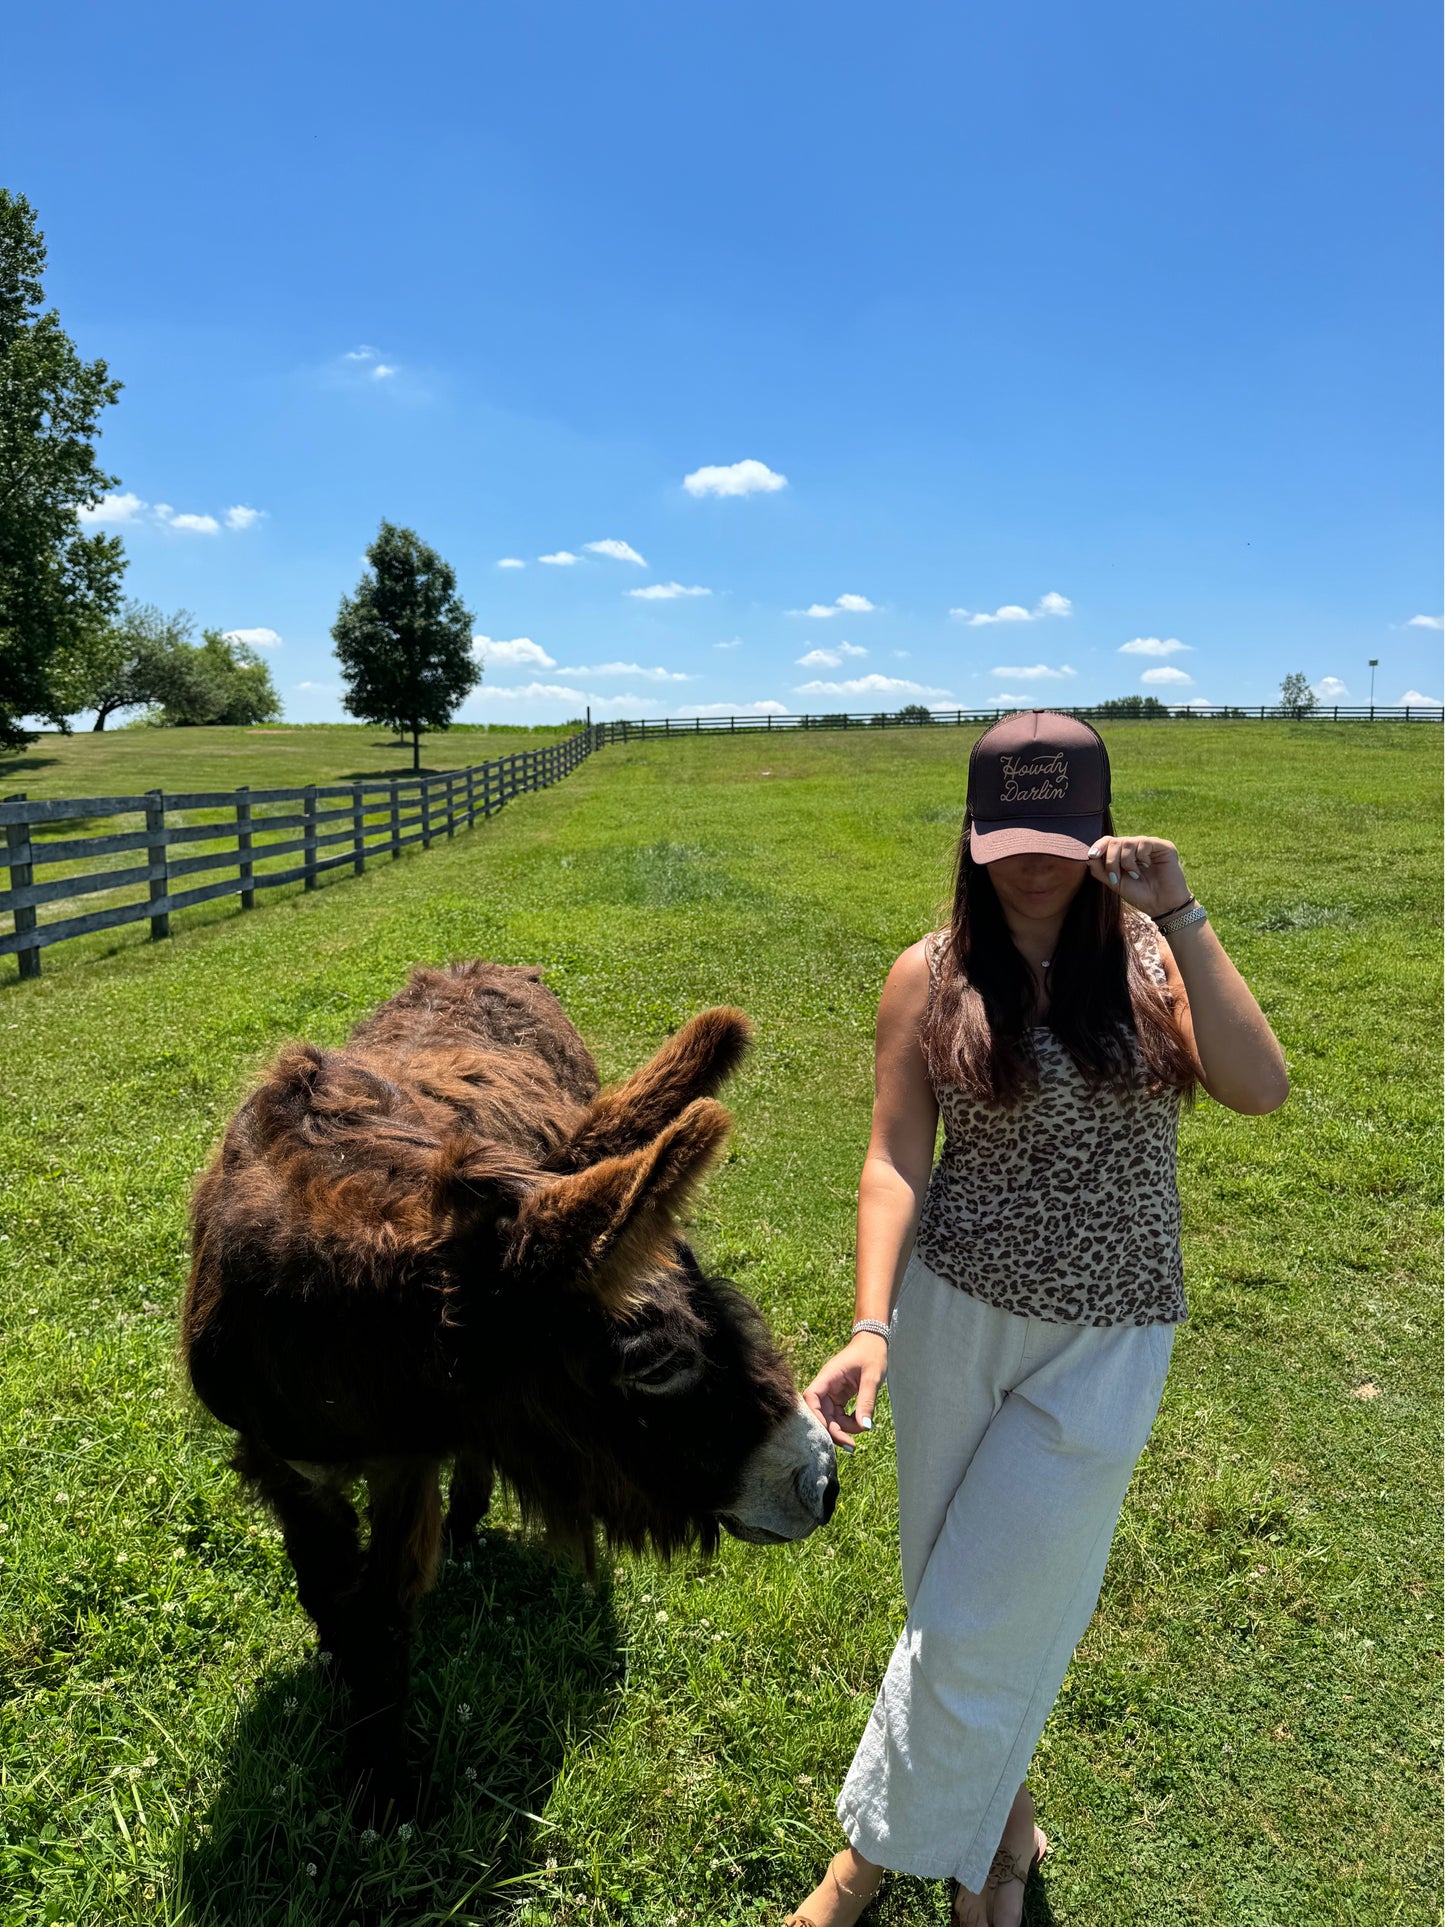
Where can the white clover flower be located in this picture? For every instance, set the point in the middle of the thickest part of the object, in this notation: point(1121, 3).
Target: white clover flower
point(278, 1791)
point(369, 1836)
point(464, 1711)
point(311, 1869)
point(291, 1702)
point(662, 1619)
point(471, 1773)
point(403, 1832)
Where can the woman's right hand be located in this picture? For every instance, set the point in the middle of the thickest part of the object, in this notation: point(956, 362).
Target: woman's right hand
point(854, 1373)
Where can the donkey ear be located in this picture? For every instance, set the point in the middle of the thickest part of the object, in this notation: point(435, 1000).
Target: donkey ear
point(600, 1227)
point(694, 1063)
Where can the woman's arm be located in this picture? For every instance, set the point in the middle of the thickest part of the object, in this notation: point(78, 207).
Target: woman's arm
point(895, 1177)
point(1240, 1062)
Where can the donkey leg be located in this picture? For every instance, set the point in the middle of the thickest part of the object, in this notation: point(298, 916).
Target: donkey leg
point(320, 1529)
point(468, 1499)
point(401, 1565)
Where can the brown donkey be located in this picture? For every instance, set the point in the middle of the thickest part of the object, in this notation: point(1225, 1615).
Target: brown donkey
point(443, 1242)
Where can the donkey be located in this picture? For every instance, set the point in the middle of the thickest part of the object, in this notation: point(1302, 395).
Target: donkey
point(444, 1242)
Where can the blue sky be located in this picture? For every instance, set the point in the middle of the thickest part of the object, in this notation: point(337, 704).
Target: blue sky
point(1115, 326)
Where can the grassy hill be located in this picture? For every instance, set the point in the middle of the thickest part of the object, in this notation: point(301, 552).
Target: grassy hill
point(127, 762)
point(1249, 1732)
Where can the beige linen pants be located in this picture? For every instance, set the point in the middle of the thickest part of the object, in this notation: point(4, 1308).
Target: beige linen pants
point(1016, 1439)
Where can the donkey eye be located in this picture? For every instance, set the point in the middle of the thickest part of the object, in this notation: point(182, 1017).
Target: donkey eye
point(657, 1367)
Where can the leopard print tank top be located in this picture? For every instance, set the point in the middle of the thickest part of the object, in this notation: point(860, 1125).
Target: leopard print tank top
point(1064, 1207)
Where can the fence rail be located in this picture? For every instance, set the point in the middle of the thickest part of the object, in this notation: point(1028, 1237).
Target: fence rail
point(243, 832)
point(626, 732)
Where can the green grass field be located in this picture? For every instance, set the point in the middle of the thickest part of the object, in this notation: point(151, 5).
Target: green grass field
point(127, 762)
point(1249, 1732)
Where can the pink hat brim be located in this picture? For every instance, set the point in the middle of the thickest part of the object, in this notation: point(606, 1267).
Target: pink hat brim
point(1070, 836)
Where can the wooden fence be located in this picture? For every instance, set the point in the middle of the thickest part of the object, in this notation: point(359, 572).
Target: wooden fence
point(645, 727)
point(246, 833)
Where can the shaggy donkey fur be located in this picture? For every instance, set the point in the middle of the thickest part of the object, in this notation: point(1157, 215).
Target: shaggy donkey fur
point(443, 1242)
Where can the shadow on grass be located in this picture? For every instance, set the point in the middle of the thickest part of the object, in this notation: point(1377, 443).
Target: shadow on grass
point(23, 765)
point(518, 1662)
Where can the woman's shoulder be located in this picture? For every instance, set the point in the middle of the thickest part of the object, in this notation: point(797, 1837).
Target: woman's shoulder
point(910, 980)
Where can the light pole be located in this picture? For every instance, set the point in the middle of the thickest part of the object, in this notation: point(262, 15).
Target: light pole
point(1374, 665)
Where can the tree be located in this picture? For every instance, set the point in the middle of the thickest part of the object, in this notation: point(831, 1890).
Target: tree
point(1133, 706)
point(404, 640)
point(1296, 698)
point(130, 663)
point(914, 713)
point(58, 585)
point(217, 682)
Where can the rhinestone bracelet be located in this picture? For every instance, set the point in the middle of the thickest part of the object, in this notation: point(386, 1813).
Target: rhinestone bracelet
point(1181, 919)
point(872, 1325)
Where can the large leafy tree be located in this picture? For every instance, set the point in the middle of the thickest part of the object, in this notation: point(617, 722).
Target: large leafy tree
point(130, 663)
point(219, 681)
point(59, 585)
point(404, 639)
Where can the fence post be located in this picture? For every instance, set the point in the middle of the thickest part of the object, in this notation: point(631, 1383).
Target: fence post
point(358, 832)
point(308, 833)
point(426, 812)
point(243, 846)
point(156, 854)
point(451, 805)
point(471, 795)
point(395, 823)
point(22, 873)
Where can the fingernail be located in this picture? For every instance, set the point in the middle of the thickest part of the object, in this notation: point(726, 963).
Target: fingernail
point(1135, 875)
point(1113, 876)
point(843, 1445)
point(866, 1423)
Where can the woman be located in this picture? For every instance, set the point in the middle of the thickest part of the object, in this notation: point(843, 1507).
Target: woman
point(1023, 1299)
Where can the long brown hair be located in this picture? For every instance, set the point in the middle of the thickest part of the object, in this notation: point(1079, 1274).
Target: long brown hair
point(1115, 1022)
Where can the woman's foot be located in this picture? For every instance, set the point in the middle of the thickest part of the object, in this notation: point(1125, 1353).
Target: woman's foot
point(842, 1894)
point(1023, 1843)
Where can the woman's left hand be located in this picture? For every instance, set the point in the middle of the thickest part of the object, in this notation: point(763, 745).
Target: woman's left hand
point(1144, 870)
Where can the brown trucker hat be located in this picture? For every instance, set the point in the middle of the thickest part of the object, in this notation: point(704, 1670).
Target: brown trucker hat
point(1037, 782)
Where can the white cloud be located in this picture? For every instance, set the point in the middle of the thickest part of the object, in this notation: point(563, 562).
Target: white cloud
point(741, 478)
point(623, 669)
point(187, 524)
point(1010, 702)
point(112, 510)
point(363, 353)
point(560, 559)
point(829, 658)
point(240, 517)
point(383, 370)
point(1414, 700)
point(528, 692)
point(856, 605)
point(1167, 677)
point(736, 643)
point(766, 707)
point(663, 591)
point(1199, 702)
point(511, 562)
point(1330, 689)
point(552, 692)
point(1052, 604)
point(521, 650)
point(326, 687)
point(619, 551)
point(1426, 622)
point(1154, 646)
point(257, 638)
point(873, 685)
point(1039, 672)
